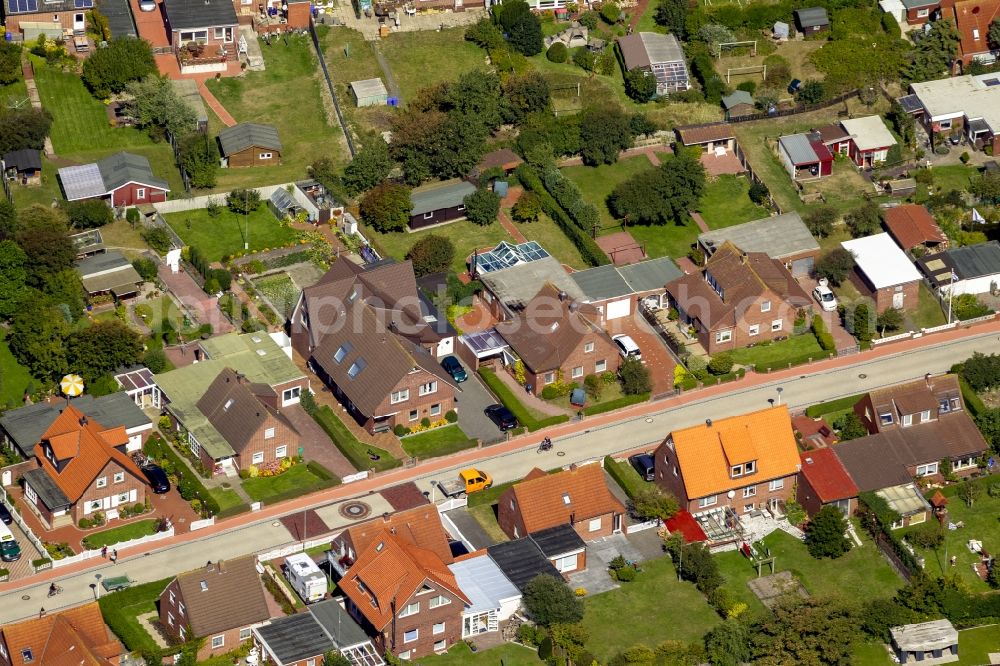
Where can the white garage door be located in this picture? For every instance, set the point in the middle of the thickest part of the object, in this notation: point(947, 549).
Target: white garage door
point(617, 309)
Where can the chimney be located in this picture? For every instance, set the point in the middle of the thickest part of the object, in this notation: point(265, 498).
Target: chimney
point(83, 420)
point(222, 566)
point(708, 422)
point(743, 258)
point(563, 295)
point(385, 517)
point(209, 566)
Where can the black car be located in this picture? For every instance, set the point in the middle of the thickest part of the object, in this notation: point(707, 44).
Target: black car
point(157, 478)
point(643, 463)
point(5, 514)
point(501, 416)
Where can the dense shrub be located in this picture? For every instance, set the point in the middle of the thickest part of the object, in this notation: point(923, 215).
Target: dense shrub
point(557, 52)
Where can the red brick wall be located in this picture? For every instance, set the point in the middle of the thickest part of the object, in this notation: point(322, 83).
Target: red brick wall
point(751, 315)
point(231, 638)
point(884, 297)
point(444, 396)
point(283, 436)
point(92, 493)
point(913, 19)
point(391, 639)
point(604, 350)
point(128, 195)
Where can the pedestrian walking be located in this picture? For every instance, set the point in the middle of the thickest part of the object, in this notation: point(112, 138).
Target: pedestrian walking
point(114, 556)
point(104, 552)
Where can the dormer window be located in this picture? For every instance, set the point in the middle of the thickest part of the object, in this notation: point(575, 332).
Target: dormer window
point(885, 418)
point(736, 471)
point(27, 656)
point(907, 420)
point(925, 416)
point(944, 405)
point(750, 467)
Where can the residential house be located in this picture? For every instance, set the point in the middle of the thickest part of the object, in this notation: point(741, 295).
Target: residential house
point(973, 19)
point(250, 145)
point(835, 138)
point(738, 103)
point(660, 55)
point(965, 105)
point(927, 643)
point(738, 464)
point(21, 429)
point(255, 357)
point(521, 561)
point(375, 340)
point(503, 158)
point(616, 291)
point(23, 166)
point(710, 138)
point(52, 18)
point(439, 203)
point(578, 497)
point(811, 20)
point(202, 32)
point(221, 602)
point(558, 339)
point(973, 269)
point(420, 526)
point(913, 228)
point(370, 92)
point(108, 273)
point(824, 481)
point(493, 597)
point(304, 639)
point(870, 140)
point(73, 635)
point(512, 275)
point(122, 180)
point(563, 546)
point(919, 12)
point(82, 470)
point(804, 156)
point(884, 272)
point(784, 237)
point(737, 299)
point(405, 596)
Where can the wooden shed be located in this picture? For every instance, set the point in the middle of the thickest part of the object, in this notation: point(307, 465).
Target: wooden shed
point(250, 144)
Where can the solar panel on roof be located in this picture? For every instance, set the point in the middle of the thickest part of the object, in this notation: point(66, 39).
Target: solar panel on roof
point(506, 255)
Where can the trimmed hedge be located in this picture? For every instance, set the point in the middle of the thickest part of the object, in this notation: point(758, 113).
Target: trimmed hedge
point(352, 448)
point(877, 517)
point(514, 405)
point(614, 469)
point(119, 611)
point(823, 336)
point(589, 249)
point(157, 448)
point(973, 402)
point(618, 403)
point(837, 405)
point(791, 361)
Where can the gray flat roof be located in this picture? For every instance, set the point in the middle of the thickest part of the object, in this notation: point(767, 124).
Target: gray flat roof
point(46, 488)
point(812, 16)
point(369, 88)
point(119, 17)
point(780, 236)
point(798, 148)
point(926, 636)
point(183, 14)
point(338, 623)
point(102, 263)
point(519, 284)
point(440, 195)
point(974, 261)
point(651, 274)
point(601, 283)
point(294, 638)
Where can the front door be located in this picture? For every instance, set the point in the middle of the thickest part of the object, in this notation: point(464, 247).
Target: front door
point(897, 300)
point(79, 22)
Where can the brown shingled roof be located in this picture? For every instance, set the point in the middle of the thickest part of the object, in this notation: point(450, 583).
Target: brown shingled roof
point(692, 135)
point(224, 595)
point(912, 225)
point(231, 406)
point(73, 637)
point(550, 500)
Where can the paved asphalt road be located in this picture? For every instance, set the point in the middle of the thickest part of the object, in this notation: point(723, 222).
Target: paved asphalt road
point(616, 437)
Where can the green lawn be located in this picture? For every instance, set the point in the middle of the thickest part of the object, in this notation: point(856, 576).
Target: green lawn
point(348, 56)
point(596, 183)
point(356, 451)
point(794, 350)
point(486, 517)
point(974, 648)
point(288, 95)
point(669, 240)
point(508, 654)
point(953, 177)
point(297, 478)
point(928, 312)
point(115, 535)
point(423, 58)
point(121, 611)
point(226, 497)
point(15, 379)
point(553, 239)
point(44, 194)
point(466, 236)
point(726, 202)
point(437, 442)
point(216, 237)
point(859, 575)
point(653, 608)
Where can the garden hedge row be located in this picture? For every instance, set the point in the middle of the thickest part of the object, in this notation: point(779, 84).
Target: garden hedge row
point(712, 380)
point(791, 361)
point(823, 336)
point(568, 195)
point(158, 448)
point(119, 611)
point(618, 403)
point(589, 249)
point(349, 445)
point(973, 402)
point(614, 470)
point(837, 405)
point(514, 405)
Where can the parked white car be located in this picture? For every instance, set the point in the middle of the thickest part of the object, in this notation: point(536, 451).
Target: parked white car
point(627, 347)
point(824, 296)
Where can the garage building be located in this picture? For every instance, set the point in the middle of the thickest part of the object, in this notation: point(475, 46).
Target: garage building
point(616, 290)
point(784, 237)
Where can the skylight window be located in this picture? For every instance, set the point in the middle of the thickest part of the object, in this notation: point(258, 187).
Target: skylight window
point(229, 403)
point(342, 351)
point(566, 498)
point(204, 586)
point(356, 368)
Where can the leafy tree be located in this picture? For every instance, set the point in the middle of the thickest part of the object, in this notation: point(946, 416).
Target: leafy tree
point(66, 291)
point(929, 535)
point(933, 53)
point(825, 534)
point(891, 319)
point(243, 201)
point(849, 426)
point(146, 268)
point(557, 53)
point(993, 36)
point(387, 207)
point(482, 206)
point(49, 251)
point(981, 371)
point(604, 132)
point(523, 95)
point(728, 644)
point(815, 630)
point(820, 220)
point(8, 219)
point(524, 30)
point(661, 195)
point(695, 563)
point(10, 62)
point(22, 128)
point(758, 193)
point(549, 601)
point(436, 144)
point(640, 85)
point(986, 187)
point(89, 214)
point(431, 254)
point(485, 34)
point(863, 323)
point(158, 239)
point(714, 34)
point(155, 360)
point(835, 265)
point(640, 124)
point(611, 13)
point(864, 220)
point(200, 159)
point(527, 208)
point(585, 59)
point(103, 347)
point(903, 123)
point(878, 616)
point(590, 19)
point(857, 62)
point(157, 108)
point(110, 69)
point(36, 336)
point(13, 278)
point(653, 502)
point(969, 492)
point(476, 95)
point(811, 92)
point(721, 363)
point(672, 15)
point(634, 377)
point(369, 167)
point(335, 658)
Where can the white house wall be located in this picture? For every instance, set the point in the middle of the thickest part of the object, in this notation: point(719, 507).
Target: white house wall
point(980, 285)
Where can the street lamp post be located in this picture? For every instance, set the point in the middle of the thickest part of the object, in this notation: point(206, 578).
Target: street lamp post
point(779, 390)
point(97, 586)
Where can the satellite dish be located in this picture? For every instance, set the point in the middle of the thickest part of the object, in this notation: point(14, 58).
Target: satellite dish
point(71, 385)
point(731, 494)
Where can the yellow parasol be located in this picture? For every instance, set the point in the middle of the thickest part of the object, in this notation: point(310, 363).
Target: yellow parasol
point(71, 385)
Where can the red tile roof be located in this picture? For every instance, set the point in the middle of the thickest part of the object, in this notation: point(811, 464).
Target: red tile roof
point(549, 500)
point(912, 225)
point(974, 17)
point(74, 637)
point(420, 526)
point(827, 475)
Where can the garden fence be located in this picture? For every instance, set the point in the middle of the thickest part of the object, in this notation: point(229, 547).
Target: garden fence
point(90, 554)
point(197, 203)
point(35, 541)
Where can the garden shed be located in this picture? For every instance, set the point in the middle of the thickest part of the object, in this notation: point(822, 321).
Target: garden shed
point(925, 643)
point(810, 20)
point(283, 205)
point(370, 92)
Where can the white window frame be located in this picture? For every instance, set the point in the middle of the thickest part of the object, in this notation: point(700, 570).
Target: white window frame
point(441, 645)
point(925, 416)
point(291, 394)
point(923, 13)
point(269, 433)
point(264, 156)
point(218, 641)
point(736, 471)
point(416, 636)
point(140, 193)
point(410, 609)
point(776, 484)
point(548, 377)
point(945, 124)
point(413, 415)
point(311, 662)
point(928, 469)
point(588, 347)
point(123, 497)
point(245, 634)
point(724, 336)
point(566, 564)
point(886, 419)
point(765, 306)
point(749, 491)
point(438, 628)
point(119, 477)
point(705, 502)
point(429, 215)
point(777, 325)
point(281, 451)
point(102, 482)
point(595, 524)
point(907, 419)
point(428, 388)
point(257, 458)
point(436, 409)
point(601, 366)
point(754, 329)
point(576, 372)
point(750, 467)
point(438, 601)
point(397, 397)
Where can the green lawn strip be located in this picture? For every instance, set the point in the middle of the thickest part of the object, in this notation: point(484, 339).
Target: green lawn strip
point(437, 442)
point(928, 312)
point(975, 645)
point(526, 416)
point(424, 58)
point(870, 654)
point(669, 240)
point(625, 475)
point(15, 379)
point(838, 405)
point(295, 481)
point(288, 95)
point(487, 519)
point(795, 350)
point(726, 202)
point(121, 610)
point(115, 535)
point(645, 602)
point(355, 450)
point(953, 177)
point(617, 403)
point(552, 238)
point(349, 57)
point(596, 183)
point(508, 654)
point(43, 194)
point(860, 575)
point(216, 237)
point(230, 502)
point(466, 236)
